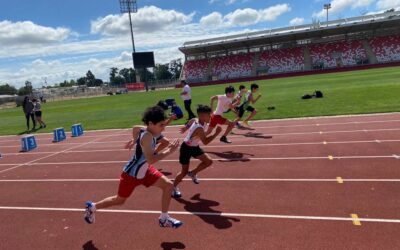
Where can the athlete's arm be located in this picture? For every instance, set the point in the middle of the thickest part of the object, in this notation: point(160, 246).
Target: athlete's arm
point(187, 126)
point(199, 132)
point(135, 133)
point(213, 99)
point(150, 155)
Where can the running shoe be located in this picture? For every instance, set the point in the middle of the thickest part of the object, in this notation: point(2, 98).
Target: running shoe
point(170, 222)
point(224, 139)
point(89, 212)
point(176, 193)
point(193, 177)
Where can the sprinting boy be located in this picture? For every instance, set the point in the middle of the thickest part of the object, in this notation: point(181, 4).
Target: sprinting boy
point(140, 171)
point(224, 104)
point(239, 99)
point(245, 105)
point(190, 147)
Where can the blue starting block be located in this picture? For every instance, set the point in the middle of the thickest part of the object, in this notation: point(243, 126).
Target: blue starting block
point(77, 130)
point(59, 135)
point(28, 143)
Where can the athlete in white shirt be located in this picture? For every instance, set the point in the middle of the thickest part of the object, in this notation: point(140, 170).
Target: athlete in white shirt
point(224, 104)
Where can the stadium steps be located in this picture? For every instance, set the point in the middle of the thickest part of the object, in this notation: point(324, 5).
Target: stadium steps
point(371, 56)
point(256, 59)
point(307, 59)
point(209, 69)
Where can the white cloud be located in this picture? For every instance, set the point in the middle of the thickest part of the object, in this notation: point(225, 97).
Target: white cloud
point(34, 61)
point(296, 21)
point(213, 19)
point(341, 5)
point(388, 4)
point(148, 19)
point(244, 17)
point(13, 33)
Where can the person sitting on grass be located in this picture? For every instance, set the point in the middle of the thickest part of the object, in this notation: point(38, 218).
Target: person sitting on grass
point(224, 102)
point(190, 147)
point(140, 171)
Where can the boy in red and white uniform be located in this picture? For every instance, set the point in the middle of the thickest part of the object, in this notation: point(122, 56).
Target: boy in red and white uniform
point(225, 102)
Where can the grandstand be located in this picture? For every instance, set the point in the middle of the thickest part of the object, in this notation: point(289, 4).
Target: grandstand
point(345, 44)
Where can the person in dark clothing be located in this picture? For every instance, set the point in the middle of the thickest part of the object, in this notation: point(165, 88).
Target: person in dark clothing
point(28, 106)
point(187, 99)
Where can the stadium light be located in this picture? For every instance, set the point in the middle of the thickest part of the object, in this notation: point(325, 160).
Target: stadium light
point(327, 7)
point(129, 6)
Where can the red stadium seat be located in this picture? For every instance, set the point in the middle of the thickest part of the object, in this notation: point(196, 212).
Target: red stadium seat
point(386, 49)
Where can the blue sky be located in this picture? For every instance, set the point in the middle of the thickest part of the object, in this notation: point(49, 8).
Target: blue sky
point(61, 40)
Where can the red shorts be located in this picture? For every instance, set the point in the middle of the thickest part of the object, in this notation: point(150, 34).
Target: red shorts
point(217, 119)
point(128, 183)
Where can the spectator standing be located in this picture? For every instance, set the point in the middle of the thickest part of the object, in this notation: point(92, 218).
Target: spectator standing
point(187, 99)
point(28, 106)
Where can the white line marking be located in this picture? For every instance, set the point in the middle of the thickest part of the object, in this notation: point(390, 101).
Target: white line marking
point(234, 136)
point(270, 216)
point(265, 127)
point(47, 156)
point(210, 179)
point(259, 121)
point(223, 159)
point(216, 146)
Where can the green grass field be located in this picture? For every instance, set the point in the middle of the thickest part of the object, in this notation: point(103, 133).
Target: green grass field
point(357, 92)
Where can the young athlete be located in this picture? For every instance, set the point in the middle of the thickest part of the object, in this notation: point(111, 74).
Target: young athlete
point(239, 99)
point(190, 147)
point(224, 104)
point(245, 104)
point(140, 171)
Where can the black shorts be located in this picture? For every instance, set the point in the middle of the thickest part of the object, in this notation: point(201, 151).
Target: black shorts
point(241, 110)
point(38, 113)
point(186, 152)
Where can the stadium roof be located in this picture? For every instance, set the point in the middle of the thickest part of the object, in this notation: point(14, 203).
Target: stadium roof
point(293, 33)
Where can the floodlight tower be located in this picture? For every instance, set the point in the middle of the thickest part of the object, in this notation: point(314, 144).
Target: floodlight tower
point(327, 7)
point(129, 6)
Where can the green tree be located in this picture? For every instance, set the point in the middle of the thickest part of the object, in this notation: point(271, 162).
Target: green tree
point(161, 72)
point(175, 67)
point(81, 81)
point(90, 79)
point(7, 89)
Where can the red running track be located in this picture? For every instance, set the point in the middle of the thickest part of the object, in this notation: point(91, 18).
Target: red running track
point(286, 184)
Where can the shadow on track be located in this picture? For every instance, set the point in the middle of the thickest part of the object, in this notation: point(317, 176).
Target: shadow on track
point(89, 246)
point(172, 245)
point(202, 208)
point(231, 156)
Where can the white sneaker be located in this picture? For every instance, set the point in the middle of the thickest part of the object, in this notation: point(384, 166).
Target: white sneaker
point(170, 222)
point(194, 177)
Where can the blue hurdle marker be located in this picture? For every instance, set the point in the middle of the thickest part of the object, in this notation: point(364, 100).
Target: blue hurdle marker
point(59, 135)
point(28, 143)
point(77, 130)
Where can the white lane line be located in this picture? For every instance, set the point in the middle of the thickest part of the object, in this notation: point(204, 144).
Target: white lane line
point(246, 215)
point(47, 156)
point(323, 124)
point(224, 159)
point(219, 146)
point(258, 121)
point(210, 179)
point(242, 136)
